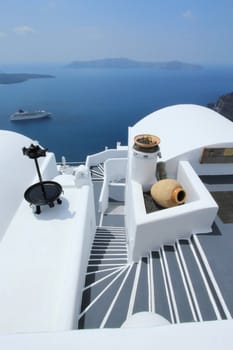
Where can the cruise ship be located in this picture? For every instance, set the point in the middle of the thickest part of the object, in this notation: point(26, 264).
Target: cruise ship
point(27, 115)
point(107, 254)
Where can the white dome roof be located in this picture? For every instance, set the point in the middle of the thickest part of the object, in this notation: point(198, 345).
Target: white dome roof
point(183, 128)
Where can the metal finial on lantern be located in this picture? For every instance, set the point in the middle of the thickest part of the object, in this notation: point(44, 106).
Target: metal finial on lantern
point(34, 151)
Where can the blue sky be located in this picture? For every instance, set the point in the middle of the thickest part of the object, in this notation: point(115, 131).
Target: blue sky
point(198, 31)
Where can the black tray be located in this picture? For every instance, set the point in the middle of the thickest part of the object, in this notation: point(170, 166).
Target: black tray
point(43, 193)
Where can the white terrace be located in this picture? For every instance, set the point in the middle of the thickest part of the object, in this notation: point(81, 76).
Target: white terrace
point(43, 258)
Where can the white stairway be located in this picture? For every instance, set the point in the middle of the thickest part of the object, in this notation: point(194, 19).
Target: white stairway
point(174, 282)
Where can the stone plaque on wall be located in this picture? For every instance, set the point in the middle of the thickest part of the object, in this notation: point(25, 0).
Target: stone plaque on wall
point(217, 155)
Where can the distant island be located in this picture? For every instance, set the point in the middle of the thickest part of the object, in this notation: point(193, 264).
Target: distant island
point(224, 105)
point(127, 63)
point(13, 78)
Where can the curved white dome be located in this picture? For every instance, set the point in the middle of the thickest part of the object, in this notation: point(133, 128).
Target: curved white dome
point(182, 128)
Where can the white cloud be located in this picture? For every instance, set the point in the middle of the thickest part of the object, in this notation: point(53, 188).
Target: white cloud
point(2, 35)
point(22, 30)
point(188, 15)
point(52, 4)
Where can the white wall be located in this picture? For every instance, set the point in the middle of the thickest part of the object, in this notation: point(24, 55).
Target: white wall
point(151, 231)
point(114, 170)
point(212, 335)
point(83, 231)
point(43, 261)
point(194, 157)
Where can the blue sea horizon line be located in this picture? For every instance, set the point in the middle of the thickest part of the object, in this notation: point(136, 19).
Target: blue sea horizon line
point(98, 105)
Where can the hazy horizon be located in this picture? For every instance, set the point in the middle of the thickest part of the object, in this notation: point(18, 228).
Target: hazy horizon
point(59, 31)
point(5, 66)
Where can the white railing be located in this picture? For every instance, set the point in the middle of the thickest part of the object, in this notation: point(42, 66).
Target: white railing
point(101, 157)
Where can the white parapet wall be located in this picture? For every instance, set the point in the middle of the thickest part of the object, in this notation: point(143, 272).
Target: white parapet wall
point(43, 261)
point(114, 170)
point(194, 157)
point(151, 231)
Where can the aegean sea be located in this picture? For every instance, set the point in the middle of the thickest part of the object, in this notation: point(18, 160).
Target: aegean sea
point(92, 108)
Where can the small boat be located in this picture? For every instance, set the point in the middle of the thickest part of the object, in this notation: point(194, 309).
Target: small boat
point(26, 115)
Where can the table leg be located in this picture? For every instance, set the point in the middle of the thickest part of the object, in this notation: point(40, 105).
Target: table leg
point(38, 211)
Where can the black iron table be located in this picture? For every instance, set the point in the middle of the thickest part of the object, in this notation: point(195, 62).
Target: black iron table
point(43, 192)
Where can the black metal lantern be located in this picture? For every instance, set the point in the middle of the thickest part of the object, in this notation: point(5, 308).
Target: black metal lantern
point(43, 192)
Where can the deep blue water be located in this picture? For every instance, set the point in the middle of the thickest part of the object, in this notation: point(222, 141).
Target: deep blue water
point(92, 108)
